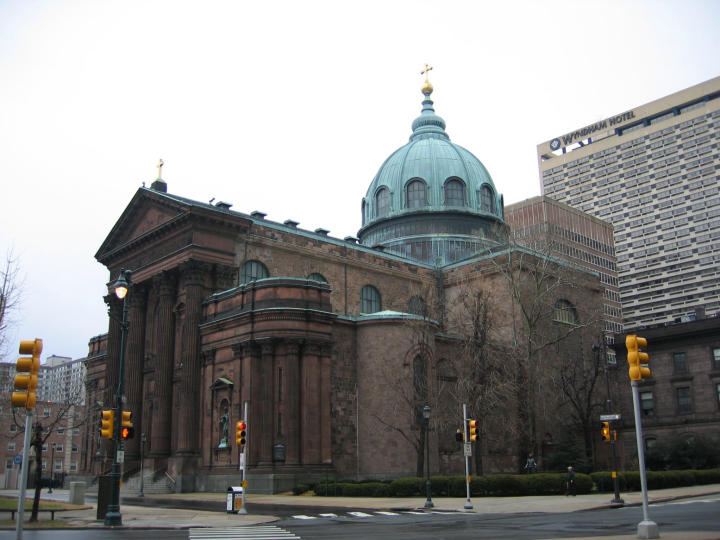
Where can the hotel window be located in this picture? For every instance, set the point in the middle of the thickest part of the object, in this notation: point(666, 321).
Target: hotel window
point(650, 442)
point(11, 446)
point(13, 428)
point(684, 401)
point(716, 358)
point(680, 362)
point(647, 403)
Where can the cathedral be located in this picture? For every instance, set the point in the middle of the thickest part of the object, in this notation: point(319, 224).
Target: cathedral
point(329, 349)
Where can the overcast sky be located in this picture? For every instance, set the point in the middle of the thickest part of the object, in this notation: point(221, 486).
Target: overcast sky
point(290, 108)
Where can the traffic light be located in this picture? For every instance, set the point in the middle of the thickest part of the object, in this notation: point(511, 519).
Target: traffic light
point(27, 378)
point(636, 358)
point(472, 430)
point(127, 430)
point(107, 423)
point(459, 435)
point(605, 431)
point(241, 434)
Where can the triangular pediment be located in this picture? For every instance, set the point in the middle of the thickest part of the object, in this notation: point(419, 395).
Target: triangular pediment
point(147, 211)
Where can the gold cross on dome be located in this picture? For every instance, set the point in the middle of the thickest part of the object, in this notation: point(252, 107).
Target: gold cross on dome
point(159, 168)
point(425, 72)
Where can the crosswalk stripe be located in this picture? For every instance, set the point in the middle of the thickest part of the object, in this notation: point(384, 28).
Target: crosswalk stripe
point(360, 514)
point(257, 532)
point(303, 516)
point(328, 515)
point(387, 513)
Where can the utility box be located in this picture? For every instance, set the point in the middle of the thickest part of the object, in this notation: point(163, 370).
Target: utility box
point(77, 492)
point(234, 499)
point(104, 494)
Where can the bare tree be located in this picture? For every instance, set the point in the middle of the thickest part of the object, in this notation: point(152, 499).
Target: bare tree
point(480, 366)
point(542, 287)
point(11, 284)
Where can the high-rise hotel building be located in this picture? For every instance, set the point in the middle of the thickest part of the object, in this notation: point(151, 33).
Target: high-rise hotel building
point(653, 172)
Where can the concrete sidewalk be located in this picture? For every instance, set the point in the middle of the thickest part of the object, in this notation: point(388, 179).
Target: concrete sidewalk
point(154, 511)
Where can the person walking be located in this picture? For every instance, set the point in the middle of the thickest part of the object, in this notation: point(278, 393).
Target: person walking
point(570, 490)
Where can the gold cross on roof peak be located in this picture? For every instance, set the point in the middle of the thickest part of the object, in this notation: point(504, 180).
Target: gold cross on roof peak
point(159, 168)
point(425, 72)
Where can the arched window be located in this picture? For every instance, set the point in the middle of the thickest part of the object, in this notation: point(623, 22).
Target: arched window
point(370, 300)
point(416, 193)
point(565, 312)
point(362, 211)
point(454, 192)
point(254, 270)
point(486, 199)
point(382, 202)
point(417, 306)
point(317, 277)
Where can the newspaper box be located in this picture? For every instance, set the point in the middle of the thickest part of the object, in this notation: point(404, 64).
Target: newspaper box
point(234, 499)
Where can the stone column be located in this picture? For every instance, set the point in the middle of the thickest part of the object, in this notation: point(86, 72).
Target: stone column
point(134, 360)
point(311, 405)
point(193, 275)
point(262, 403)
point(165, 348)
point(291, 403)
point(325, 392)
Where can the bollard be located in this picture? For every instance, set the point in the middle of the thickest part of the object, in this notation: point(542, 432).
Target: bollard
point(77, 492)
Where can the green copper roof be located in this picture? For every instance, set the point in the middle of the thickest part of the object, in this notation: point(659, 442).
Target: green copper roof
point(433, 158)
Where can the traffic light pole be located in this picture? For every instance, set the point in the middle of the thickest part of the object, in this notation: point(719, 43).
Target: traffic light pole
point(646, 528)
point(466, 440)
point(24, 475)
point(113, 517)
point(608, 403)
point(243, 464)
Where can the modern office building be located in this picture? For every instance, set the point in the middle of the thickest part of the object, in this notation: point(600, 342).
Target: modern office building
point(651, 171)
point(577, 237)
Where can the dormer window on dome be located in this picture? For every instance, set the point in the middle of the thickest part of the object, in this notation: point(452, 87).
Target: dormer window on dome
point(382, 202)
point(454, 192)
point(416, 193)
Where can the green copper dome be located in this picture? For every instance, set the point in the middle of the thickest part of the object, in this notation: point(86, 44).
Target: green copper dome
point(432, 200)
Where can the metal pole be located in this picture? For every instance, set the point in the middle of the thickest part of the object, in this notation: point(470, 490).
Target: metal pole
point(52, 467)
point(24, 475)
point(142, 465)
point(646, 528)
point(113, 517)
point(608, 409)
point(243, 461)
point(466, 436)
point(428, 487)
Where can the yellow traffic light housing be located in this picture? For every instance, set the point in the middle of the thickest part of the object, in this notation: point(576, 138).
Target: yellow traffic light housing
point(637, 360)
point(605, 431)
point(28, 368)
point(107, 423)
point(472, 430)
point(127, 430)
point(241, 434)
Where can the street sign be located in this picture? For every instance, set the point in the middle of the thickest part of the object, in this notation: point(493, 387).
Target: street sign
point(610, 417)
point(121, 456)
point(467, 449)
point(17, 460)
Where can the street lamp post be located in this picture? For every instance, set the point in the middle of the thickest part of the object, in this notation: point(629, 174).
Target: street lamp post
point(113, 517)
point(600, 350)
point(52, 467)
point(426, 416)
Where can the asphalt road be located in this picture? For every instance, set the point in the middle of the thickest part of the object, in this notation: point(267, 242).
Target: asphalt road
point(700, 514)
